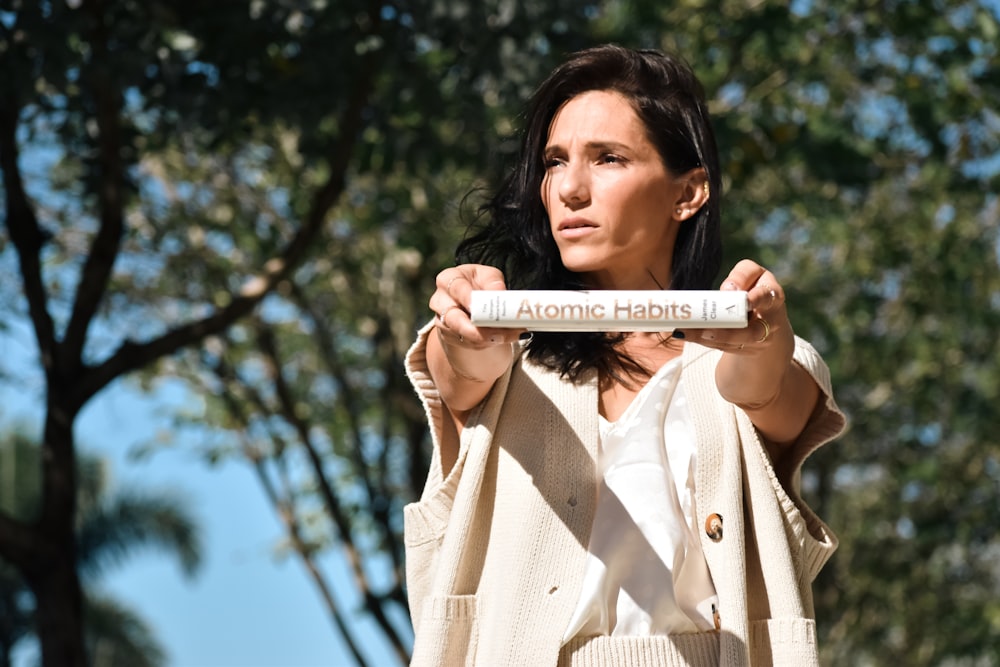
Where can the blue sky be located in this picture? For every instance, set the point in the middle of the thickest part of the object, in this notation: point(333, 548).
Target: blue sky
point(245, 608)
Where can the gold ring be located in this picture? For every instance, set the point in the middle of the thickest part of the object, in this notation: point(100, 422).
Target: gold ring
point(767, 330)
point(447, 288)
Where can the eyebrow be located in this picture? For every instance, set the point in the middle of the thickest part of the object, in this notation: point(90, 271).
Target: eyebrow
point(613, 146)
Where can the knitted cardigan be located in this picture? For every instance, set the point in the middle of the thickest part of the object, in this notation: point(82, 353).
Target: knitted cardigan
point(496, 549)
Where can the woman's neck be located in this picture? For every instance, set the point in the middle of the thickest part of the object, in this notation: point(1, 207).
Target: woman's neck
point(644, 280)
point(650, 351)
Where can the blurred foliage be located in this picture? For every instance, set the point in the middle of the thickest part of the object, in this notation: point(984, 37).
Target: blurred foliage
point(112, 524)
point(861, 147)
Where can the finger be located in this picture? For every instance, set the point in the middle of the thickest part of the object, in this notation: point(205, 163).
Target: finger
point(446, 281)
point(767, 296)
point(760, 326)
point(736, 341)
point(449, 314)
point(487, 278)
point(451, 303)
point(759, 330)
point(764, 292)
point(458, 281)
point(743, 276)
point(457, 329)
point(443, 315)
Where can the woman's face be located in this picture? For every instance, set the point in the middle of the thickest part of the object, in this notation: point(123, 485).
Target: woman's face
point(611, 201)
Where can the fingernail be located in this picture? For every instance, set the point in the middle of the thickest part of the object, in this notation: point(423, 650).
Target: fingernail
point(677, 333)
point(708, 335)
point(729, 285)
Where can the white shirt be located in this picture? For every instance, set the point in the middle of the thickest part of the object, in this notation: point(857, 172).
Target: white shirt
point(646, 573)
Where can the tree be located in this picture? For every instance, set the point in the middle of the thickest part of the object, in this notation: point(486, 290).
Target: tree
point(162, 175)
point(73, 92)
point(331, 144)
point(110, 527)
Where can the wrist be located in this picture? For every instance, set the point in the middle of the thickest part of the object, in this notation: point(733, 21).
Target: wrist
point(474, 363)
point(754, 381)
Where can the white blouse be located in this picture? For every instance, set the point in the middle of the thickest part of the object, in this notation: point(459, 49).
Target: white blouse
point(646, 573)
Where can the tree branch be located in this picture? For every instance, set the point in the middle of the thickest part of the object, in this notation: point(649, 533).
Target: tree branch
point(324, 337)
point(351, 121)
point(283, 506)
point(104, 250)
point(25, 232)
point(305, 552)
point(331, 501)
point(132, 356)
point(378, 496)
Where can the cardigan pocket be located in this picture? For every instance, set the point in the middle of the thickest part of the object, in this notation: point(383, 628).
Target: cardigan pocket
point(424, 525)
point(784, 641)
point(449, 632)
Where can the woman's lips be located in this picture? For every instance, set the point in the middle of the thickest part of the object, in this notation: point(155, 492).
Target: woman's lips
point(575, 227)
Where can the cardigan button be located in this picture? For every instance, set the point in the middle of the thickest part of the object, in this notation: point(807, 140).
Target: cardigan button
point(713, 527)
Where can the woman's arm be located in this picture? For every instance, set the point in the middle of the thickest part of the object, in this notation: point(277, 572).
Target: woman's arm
point(757, 371)
point(464, 360)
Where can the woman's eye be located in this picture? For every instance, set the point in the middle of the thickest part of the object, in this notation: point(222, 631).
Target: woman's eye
point(551, 162)
point(611, 159)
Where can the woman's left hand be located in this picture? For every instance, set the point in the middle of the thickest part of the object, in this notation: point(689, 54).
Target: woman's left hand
point(756, 372)
point(767, 328)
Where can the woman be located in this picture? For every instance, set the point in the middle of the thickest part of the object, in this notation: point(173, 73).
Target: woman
point(626, 499)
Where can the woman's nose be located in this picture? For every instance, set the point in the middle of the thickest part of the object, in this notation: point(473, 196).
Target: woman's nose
point(574, 186)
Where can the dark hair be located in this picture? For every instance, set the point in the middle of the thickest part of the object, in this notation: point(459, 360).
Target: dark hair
point(515, 235)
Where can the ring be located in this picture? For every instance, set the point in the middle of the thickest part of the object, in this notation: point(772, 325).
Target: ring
point(767, 330)
point(447, 288)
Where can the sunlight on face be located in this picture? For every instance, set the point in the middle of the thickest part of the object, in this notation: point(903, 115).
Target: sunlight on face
point(609, 197)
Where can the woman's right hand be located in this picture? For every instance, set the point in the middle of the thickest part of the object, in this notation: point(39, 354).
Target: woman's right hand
point(451, 301)
point(465, 360)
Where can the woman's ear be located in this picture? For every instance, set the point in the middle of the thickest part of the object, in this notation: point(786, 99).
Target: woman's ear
point(693, 194)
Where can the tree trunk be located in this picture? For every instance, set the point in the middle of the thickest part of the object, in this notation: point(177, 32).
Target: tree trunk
point(52, 575)
point(59, 612)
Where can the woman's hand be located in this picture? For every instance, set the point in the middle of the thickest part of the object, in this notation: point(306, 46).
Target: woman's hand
point(465, 360)
point(451, 301)
point(757, 372)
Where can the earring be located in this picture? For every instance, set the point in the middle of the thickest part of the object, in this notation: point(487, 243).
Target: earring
point(677, 211)
point(706, 188)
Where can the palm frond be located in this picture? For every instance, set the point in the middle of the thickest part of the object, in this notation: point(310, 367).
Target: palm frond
point(129, 521)
point(118, 637)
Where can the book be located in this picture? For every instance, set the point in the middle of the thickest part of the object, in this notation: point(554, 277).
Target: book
point(609, 310)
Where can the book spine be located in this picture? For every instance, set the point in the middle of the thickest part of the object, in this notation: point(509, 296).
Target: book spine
point(609, 310)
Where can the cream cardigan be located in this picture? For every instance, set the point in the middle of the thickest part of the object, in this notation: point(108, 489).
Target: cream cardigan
point(495, 551)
